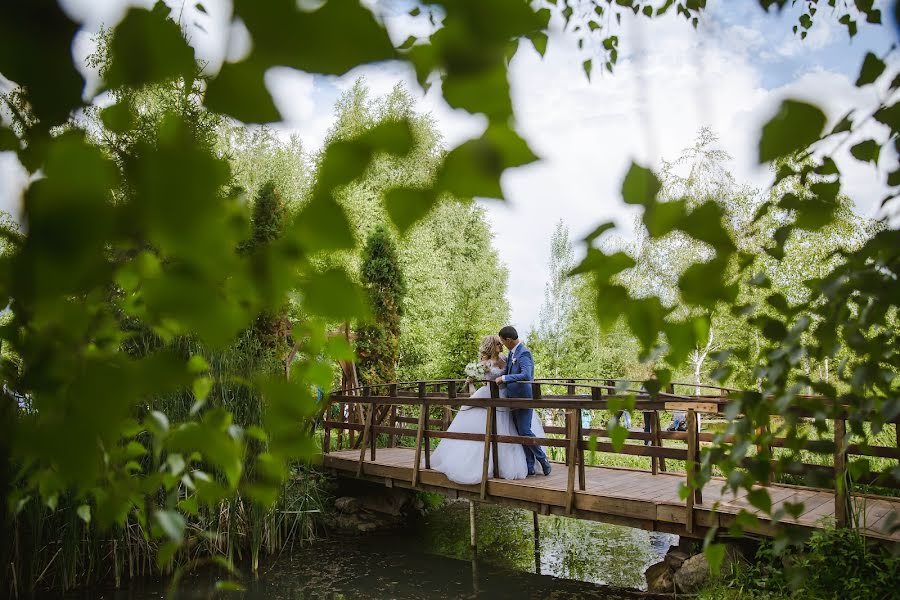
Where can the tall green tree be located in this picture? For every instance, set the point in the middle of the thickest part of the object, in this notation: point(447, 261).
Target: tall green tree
point(377, 343)
point(550, 342)
point(456, 284)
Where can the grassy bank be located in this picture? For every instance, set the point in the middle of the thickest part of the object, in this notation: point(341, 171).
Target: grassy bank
point(56, 549)
point(838, 564)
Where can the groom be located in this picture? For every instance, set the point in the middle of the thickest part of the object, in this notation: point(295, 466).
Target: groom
point(519, 368)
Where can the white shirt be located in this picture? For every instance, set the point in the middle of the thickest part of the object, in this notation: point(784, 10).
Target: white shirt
point(510, 356)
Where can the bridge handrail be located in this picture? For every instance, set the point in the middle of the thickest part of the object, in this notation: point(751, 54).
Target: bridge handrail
point(574, 433)
point(536, 382)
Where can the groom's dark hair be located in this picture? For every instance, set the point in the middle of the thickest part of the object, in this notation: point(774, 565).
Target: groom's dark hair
point(509, 333)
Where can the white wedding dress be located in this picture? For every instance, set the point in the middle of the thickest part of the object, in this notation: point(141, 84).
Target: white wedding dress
point(461, 460)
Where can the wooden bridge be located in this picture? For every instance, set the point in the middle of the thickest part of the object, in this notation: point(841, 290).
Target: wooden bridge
point(376, 448)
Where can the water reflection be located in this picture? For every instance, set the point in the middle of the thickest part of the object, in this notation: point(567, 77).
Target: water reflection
point(569, 548)
point(433, 561)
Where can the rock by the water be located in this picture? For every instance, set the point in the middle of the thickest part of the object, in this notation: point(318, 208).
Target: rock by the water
point(386, 501)
point(659, 579)
point(347, 505)
point(675, 558)
point(692, 575)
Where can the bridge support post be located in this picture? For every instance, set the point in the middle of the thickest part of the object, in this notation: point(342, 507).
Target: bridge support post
point(366, 435)
point(840, 473)
point(473, 538)
point(572, 431)
point(693, 465)
point(537, 543)
point(423, 415)
point(393, 440)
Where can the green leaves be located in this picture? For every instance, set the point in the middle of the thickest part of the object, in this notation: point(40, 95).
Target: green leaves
point(473, 169)
point(322, 224)
point(36, 53)
point(715, 554)
point(333, 295)
point(406, 206)
point(872, 68)
point(866, 151)
point(640, 186)
point(471, 50)
point(331, 39)
point(795, 126)
point(617, 435)
point(239, 91)
point(171, 523)
point(148, 47)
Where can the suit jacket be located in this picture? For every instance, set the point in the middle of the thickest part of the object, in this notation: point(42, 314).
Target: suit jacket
point(519, 368)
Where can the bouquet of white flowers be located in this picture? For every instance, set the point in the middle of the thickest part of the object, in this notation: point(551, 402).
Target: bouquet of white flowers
point(476, 371)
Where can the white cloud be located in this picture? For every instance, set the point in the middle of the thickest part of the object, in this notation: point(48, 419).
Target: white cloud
point(13, 178)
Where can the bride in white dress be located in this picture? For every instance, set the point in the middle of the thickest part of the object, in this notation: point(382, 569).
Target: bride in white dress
point(461, 460)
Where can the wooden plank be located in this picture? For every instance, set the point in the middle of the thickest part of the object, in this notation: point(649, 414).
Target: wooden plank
point(625, 507)
point(579, 452)
point(495, 393)
point(635, 450)
point(367, 432)
point(489, 427)
point(677, 513)
point(881, 525)
point(840, 473)
point(426, 441)
point(326, 434)
point(572, 457)
point(700, 407)
point(373, 437)
point(420, 432)
point(494, 444)
point(871, 511)
point(690, 467)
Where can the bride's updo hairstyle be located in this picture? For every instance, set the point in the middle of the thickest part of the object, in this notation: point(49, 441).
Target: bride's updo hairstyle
point(488, 347)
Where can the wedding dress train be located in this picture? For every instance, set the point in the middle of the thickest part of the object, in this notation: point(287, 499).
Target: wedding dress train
point(461, 460)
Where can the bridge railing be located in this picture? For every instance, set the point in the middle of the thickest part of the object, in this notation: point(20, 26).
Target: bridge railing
point(363, 411)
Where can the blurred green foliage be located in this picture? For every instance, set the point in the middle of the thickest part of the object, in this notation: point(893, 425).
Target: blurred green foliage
point(134, 266)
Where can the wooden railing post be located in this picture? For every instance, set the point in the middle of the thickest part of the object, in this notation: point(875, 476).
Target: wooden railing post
point(451, 395)
point(426, 439)
point(572, 433)
point(393, 440)
point(570, 389)
point(420, 431)
point(495, 393)
point(579, 451)
point(342, 407)
point(366, 435)
point(373, 422)
point(488, 428)
point(692, 467)
point(326, 436)
point(351, 433)
point(840, 473)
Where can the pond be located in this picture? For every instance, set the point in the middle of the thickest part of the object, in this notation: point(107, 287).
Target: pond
point(432, 559)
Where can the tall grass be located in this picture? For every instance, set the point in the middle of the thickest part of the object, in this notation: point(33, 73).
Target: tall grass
point(53, 548)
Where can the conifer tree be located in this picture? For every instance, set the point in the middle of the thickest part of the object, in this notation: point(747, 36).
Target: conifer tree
point(377, 343)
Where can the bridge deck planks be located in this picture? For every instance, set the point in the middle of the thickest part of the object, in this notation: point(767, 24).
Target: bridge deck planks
point(633, 497)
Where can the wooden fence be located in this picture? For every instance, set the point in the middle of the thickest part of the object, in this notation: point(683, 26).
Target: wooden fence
point(368, 411)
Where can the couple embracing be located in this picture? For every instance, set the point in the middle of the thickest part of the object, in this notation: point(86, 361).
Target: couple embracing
point(461, 460)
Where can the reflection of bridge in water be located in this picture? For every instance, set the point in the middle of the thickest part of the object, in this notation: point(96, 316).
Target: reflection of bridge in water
point(376, 433)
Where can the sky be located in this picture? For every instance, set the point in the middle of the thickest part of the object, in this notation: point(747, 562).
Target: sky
point(730, 74)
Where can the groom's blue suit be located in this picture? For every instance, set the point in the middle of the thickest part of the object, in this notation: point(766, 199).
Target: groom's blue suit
point(519, 368)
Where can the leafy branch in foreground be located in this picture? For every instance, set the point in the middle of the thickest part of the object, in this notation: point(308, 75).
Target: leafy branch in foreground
point(854, 307)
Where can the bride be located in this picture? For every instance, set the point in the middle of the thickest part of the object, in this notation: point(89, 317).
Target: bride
point(461, 460)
